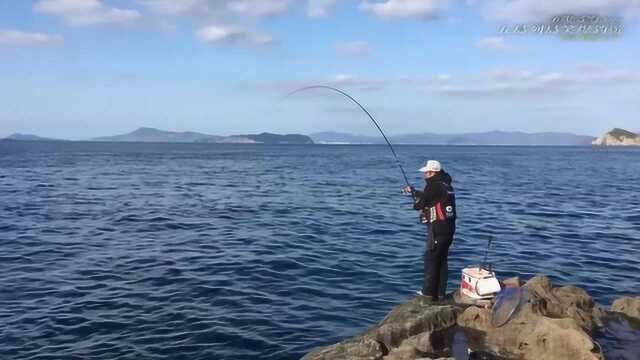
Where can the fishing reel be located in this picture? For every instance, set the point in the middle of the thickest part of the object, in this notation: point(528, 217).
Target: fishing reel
point(424, 217)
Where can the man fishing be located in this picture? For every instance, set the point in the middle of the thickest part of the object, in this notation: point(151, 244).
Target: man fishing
point(437, 204)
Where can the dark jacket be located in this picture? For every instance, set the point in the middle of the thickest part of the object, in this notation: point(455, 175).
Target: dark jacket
point(438, 190)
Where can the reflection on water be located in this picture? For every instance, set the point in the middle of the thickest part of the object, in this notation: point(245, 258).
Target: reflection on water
point(621, 338)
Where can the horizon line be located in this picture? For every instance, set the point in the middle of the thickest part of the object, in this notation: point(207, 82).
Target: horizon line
point(315, 132)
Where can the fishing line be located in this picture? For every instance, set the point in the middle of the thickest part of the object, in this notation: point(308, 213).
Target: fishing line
point(404, 174)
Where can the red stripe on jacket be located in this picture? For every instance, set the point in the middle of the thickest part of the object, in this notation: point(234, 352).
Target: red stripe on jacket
point(441, 216)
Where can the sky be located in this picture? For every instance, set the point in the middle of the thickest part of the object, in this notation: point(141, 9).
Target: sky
point(77, 69)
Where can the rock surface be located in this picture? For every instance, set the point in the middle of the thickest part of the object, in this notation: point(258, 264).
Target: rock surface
point(553, 323)
point(361, 347)
point(627, 305)
point(565, 302)
point(411, 330)
point(532, 336)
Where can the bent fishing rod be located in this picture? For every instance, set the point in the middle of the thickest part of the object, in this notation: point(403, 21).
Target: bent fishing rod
point(312, 87)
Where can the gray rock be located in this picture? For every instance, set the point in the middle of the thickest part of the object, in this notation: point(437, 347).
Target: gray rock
point(553, 325)
point(361, 348)
point(413, 318)
point(627, 305)
point(566, 301)
point(429, 343)
point(416, 320)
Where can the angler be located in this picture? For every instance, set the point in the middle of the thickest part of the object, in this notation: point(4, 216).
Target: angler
point(437, 204)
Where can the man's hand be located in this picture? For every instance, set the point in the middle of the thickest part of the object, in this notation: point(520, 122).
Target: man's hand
point(407, 190)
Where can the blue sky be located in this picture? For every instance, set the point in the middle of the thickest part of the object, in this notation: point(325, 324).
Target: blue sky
point(84, 68)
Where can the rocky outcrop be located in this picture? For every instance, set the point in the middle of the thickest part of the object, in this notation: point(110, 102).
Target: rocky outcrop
point(627, 305)
point(565, 302)
point(532, 336)
point(360, 347)
point(618, 137)
point(552, 323)
point(411, 330)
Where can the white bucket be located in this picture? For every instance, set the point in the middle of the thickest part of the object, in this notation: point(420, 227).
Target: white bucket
point(478, 283)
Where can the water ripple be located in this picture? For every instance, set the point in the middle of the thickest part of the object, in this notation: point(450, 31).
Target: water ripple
point(201, 251)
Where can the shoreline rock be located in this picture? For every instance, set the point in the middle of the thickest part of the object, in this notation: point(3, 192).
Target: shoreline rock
point(618, 137)
point(630, 306)
point(554, 323)
point(409, 330)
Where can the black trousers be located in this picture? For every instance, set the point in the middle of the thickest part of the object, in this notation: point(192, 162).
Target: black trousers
point(436, 265)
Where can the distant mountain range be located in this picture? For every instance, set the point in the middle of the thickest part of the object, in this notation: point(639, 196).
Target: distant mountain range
point(480, 138)
point(28, 137)
point(146, 134)
point(263, 138)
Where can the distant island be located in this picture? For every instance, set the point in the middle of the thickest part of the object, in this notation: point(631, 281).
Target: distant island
point(146, 134)
point(618, 137)
point(28, 137)
point(480, 138)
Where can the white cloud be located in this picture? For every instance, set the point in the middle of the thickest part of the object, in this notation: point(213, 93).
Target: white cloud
point(492, 42)
point(356, 48)
point(257, 8)
point(429, 80)
point(86, 12)
point(536, 84)
point(504, 81)
point(405, 9)
point(18, 38)
point(172, 7)
point(553, 78)
point(609, 76)
point(235, 14)
point(320, 8)
point(353, 81)
point(491, 82)
point(218, 9)
point(589, 67)
point(488, 90)
point(232, 35)
point(503, 74)
point(525, 11)
point(343, 81)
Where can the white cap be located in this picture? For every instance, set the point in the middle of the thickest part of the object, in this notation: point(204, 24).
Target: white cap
point(432, 165)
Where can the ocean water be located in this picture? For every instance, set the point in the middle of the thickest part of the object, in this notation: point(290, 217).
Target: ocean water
point(204, 251)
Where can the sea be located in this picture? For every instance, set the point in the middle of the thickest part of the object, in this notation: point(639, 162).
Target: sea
point(249, 251)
